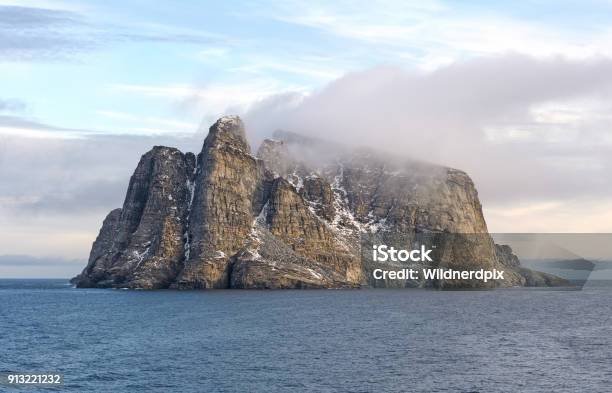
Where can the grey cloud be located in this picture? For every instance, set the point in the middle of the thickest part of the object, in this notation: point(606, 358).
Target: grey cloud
point(82, 196)
point(20, 266)
point(28, 260)
point(41, 176)
point(41, 34)
point(27, 17)
point(28, 33)
point(54, 193)
point(12, 121)
point(12, 105)
point(446, 116)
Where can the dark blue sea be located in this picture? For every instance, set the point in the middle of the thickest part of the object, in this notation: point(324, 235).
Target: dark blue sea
point(524, 340)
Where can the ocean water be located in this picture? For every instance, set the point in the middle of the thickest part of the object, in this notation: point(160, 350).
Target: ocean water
point(525, 340)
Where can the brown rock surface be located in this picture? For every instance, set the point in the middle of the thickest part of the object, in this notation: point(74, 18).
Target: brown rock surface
point(141, 245)
point(295, 216)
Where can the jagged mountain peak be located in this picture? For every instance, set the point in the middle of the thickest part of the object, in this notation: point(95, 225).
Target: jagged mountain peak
point(275, 155)
point(229, 131)
point(159, 149)
point(232, 124)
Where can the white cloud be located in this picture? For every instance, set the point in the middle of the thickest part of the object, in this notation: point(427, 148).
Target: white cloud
point(304, 66)
point(152, 124)
point(212, 53)
point(581, 215)
point(128, 124)
point(34, 133)
point(211, 100)
point(430, 36)
point(530, 131)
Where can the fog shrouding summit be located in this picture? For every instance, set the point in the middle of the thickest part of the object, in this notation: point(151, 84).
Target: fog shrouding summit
point(531, 132)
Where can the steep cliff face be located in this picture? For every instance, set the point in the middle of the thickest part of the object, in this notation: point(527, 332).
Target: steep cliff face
point(229, 188)
point(141, 245)
point(367, 197)
point(294, 216)
point(290, 219)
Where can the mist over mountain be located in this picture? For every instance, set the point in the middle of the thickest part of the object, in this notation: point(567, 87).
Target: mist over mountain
point(292, 216)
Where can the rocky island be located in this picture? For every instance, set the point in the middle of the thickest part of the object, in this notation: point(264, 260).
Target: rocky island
point(297, 214)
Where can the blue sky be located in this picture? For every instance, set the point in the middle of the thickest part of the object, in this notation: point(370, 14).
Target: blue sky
point(518, 94)
point(131, 67)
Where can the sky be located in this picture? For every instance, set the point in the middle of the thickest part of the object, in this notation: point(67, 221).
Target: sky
point(518, 94)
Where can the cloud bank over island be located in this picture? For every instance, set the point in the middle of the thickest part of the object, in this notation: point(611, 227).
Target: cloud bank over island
point(532, 132)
